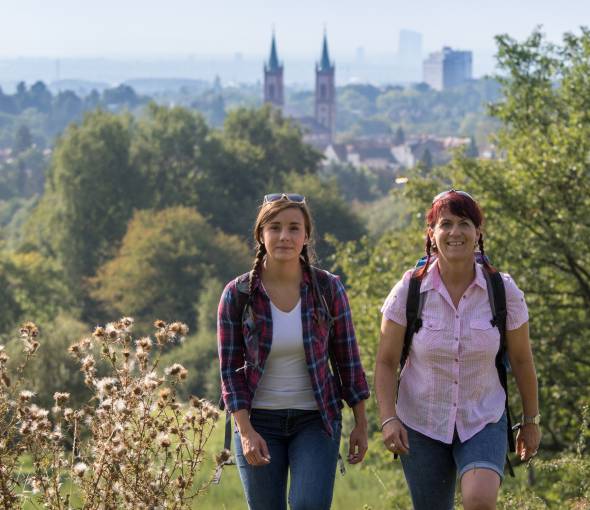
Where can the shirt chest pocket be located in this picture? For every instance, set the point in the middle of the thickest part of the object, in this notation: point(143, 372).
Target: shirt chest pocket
point(484, 336)
point(431, 332)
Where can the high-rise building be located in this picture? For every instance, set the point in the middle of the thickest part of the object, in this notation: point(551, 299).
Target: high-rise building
point(325, 91)
point(447, 68)
point(273, 78)
point(409, 55)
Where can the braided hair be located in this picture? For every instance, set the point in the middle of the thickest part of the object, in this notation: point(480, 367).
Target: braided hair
point(485, 261)
point(257, 265)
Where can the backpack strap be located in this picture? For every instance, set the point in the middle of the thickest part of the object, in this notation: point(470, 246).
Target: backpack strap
point(497, 299)
point(414, 305)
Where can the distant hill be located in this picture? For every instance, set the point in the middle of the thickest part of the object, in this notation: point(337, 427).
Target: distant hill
point(159, 85)
point(80, 87)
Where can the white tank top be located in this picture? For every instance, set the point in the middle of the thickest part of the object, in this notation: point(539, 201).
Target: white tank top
point(285, 383)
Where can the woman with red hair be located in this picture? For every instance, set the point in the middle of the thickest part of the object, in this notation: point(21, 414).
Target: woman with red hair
point(447, 417)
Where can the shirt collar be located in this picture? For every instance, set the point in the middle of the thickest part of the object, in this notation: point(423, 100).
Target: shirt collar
point(305, 279)
point(432, 279)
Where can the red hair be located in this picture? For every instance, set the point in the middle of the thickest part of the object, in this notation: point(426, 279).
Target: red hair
point(462, 205)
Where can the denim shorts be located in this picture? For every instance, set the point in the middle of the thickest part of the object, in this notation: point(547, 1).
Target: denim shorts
point(432, 467)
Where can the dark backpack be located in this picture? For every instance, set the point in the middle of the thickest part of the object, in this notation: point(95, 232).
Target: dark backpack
point(321, 288)
point(497, 299)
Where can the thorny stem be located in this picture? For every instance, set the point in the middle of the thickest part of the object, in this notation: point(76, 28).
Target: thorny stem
point(99, 475)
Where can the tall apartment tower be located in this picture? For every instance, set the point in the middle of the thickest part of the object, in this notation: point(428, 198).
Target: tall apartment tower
point(325, 91)
point(273, 78)
point(410, 55)
point(447, 68)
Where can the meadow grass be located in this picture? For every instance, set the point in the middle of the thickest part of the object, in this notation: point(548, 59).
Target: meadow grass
point(364, 487)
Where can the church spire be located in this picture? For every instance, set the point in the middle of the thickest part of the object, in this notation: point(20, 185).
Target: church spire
point(325, 64)
point(273, 61)
point(273, 77)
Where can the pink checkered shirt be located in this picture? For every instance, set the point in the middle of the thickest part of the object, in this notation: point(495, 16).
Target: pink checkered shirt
point(450, 378)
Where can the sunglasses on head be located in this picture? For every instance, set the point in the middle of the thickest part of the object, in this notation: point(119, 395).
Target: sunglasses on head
point(291, 197)
point(445, 193)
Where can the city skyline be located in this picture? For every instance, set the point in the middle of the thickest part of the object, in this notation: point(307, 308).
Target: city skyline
point(150, 28)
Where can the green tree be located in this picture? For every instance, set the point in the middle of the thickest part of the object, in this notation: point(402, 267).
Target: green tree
point(167, 148)
point(332, 215)
point(165, 261)
point(538, 200)
point(22, 139)
point(400, 136)
point(89, 197)
point(426, 161)
point(10, 311)
point(248, 159)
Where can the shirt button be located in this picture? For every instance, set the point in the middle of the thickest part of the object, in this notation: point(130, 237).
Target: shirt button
point(456, 316)
point(455, 382)
point(456, 338)
point(454, 404)
point(464, 297)
point(456, 360)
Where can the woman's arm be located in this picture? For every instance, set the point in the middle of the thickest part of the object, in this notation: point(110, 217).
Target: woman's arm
point(388, 357)
point(523, 368)
point(234, 388)
point(254, 446)
point(230, 346)
point(344, 347)
point(355, 389)
point(359, 436)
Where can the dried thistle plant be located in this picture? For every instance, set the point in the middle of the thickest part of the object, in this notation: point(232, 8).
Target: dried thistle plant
point(144, 448)
point(133, 445)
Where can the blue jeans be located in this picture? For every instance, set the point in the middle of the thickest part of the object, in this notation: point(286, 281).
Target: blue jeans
point(431, 468)
point(299, 446)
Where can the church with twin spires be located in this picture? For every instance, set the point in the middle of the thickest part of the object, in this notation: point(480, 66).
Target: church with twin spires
point(318, 130)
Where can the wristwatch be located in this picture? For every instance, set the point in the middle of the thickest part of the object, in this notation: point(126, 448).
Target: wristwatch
point(534, 420)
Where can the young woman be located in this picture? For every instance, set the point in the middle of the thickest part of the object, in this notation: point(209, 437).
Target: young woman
point(276, 342)
point(447, 419)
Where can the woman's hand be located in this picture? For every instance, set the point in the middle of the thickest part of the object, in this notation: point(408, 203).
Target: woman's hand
point(527, 441)
point(358, 444)
point(395, 437)
point(254, 448)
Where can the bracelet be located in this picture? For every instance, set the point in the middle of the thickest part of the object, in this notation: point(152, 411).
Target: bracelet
point(385, 422)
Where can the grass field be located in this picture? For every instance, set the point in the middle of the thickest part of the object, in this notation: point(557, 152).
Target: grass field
point(363, 487)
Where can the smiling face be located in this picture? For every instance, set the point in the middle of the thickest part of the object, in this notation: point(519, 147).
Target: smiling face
point(284, 235)
point(455, 236)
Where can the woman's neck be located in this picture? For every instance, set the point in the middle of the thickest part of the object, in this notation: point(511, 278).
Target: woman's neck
point(288, 272)
point(457, 273)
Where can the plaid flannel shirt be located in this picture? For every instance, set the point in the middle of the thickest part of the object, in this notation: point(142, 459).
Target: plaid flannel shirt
point(244, 346)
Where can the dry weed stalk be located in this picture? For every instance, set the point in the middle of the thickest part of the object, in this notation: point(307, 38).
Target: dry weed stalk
point(133, 445)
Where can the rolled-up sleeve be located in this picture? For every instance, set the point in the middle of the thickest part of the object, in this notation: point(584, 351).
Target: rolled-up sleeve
point(394, 307)
point(230, 346)
point(516, 307)
point(345, 348)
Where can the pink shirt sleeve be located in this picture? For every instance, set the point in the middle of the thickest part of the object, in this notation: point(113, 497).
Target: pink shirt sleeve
point(394, 307)
point(517, 310)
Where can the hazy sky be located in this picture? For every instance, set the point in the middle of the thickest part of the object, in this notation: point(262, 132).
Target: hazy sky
point(159, 28)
